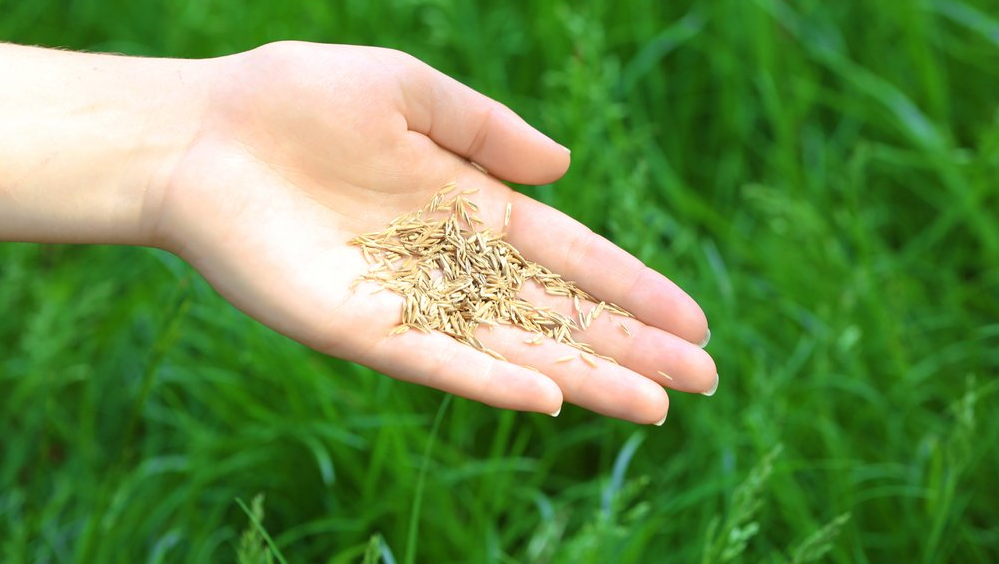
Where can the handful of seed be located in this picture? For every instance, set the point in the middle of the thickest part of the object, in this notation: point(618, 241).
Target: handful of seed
point(456, 277)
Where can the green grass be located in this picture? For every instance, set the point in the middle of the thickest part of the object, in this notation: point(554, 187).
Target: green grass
point(821, 176)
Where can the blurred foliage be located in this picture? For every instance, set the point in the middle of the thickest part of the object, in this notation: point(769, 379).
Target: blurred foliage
point(821, 176)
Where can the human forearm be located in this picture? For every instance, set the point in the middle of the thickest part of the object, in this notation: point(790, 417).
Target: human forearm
point(88, 141)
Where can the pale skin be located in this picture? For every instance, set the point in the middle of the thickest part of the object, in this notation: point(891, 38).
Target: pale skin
point(257, 168)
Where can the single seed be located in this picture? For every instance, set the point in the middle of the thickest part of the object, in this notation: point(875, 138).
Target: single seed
point(599, 309)
point(565, 358)
point(617, 310)
point(588, 360)
point(495, 354)
point(506, 218)
point(664, 375)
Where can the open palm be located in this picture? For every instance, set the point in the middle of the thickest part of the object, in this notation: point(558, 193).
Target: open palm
point(304, 146)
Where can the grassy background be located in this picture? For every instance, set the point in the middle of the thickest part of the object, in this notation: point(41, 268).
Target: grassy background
point(821, 176)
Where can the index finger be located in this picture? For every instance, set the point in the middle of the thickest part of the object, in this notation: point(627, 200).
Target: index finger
point(602, 268)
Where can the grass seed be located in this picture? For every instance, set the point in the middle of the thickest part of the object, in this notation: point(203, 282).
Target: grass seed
point(456, 275)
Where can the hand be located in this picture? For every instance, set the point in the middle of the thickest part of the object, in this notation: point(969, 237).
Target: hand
point(301, 147)
point(259, 167)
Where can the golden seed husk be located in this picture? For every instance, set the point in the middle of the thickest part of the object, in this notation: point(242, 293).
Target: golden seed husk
point(455, 275)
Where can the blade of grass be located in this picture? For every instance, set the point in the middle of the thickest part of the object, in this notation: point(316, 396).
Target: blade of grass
point(414, 518)
point(263, 532)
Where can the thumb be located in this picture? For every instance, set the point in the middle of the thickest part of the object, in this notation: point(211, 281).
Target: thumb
point(479, 128)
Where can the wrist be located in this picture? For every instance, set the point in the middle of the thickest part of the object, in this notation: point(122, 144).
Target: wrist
point(89, 142)
point(174, 115)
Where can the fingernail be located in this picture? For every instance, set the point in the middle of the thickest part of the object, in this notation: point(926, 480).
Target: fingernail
point(707, 339)
point(556, 412)
point(660, 422)
point(566, 149)
point(713, 389)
